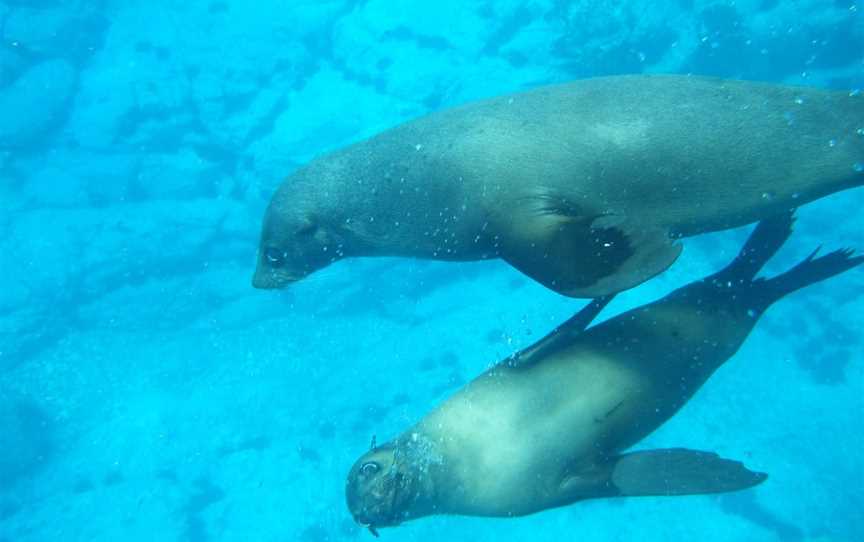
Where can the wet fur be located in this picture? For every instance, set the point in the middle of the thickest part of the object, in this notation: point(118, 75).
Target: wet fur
point(549, 426)
point(582, 186)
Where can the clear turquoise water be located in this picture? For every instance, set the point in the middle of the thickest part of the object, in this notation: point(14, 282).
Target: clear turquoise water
point(147, 392)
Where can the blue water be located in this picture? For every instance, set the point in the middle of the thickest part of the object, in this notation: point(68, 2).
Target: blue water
point(147, 392)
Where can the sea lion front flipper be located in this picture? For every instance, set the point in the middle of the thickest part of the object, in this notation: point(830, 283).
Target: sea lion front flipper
point(561, 335)
point(653, 251)
point(678, 471)
point(587, 256)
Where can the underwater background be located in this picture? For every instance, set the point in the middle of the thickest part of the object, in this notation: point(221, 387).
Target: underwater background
point(148, 392)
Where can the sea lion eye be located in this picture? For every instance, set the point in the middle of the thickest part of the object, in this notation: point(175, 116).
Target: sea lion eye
point(275, 257)
point(370, 468)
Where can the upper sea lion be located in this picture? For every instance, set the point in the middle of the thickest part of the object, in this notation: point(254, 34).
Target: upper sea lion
point(550, 426)
point(583, 186)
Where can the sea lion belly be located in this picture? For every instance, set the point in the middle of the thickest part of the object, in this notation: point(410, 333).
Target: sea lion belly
point(543, 420)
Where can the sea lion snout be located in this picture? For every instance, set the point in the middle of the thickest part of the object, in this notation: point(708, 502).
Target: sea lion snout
point(278, 267)
point(293, 245)
point(268, 277)
point(372, 489)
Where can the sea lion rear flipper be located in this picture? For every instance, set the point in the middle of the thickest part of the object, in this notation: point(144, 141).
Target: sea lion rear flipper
point(581, 256)
point(678, 471)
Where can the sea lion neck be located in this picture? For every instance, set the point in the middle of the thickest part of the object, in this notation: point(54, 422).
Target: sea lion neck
point(317, 190)
point(331, 191)
point(395, 206)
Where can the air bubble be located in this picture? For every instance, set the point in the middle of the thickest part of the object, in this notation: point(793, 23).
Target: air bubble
point(832, 142)
point(799, 100)
point(858, 167)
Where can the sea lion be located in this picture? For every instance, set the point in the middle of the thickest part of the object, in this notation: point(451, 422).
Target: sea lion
point(549, 426)
point(583, 186)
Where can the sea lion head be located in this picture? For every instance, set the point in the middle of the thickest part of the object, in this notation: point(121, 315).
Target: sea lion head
point(379, 490)
point(298, 236)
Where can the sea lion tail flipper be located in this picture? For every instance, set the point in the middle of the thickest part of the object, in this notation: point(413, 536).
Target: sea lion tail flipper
point(582, 256)
point(765, 240)
point(810, 271)
point(678, 471)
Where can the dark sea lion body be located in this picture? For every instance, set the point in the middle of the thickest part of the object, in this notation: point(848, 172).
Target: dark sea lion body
point(582, 186)
point(549, 427)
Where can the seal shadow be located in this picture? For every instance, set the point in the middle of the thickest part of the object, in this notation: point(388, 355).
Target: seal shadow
point(825, 355)
point(744, 505)
point(205, 495)
point(31, 434)
point(827, 350)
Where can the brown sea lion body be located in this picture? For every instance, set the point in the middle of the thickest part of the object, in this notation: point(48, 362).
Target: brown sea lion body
point(582, 186)
point(550, 426)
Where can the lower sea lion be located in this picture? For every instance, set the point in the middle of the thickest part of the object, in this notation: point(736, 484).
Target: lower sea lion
point(549, 426)
point(582, 186)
